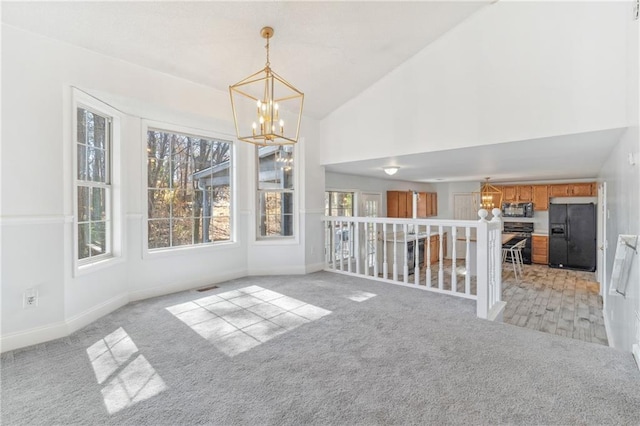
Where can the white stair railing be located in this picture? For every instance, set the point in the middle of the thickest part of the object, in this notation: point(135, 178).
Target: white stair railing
point(404, 252)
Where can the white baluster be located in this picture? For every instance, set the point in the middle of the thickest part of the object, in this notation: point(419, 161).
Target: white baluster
point(405, 269)
point(375, 249)
point(385, 265)
point(341, 245)
point(356, 239)
point(454, 274)
point(395, 253)
point(333, 248)
point(416, 258)
point(441, 263)
point(349, 246)
point(467, 277)
point(428, 249)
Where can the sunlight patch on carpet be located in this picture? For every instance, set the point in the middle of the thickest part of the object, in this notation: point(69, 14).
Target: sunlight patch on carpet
point(135, 380)
point(238, 320)
point(360, 296)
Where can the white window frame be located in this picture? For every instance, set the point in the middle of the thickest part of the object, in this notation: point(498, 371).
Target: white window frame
point(200, 133)
point(114, 231)
point(285, 239)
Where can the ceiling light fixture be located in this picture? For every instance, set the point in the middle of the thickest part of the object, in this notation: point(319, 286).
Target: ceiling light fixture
point(391, 170)
point(489, 196)
point(266, 108)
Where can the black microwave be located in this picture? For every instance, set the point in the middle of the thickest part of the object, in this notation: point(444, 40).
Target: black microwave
point(517, 209)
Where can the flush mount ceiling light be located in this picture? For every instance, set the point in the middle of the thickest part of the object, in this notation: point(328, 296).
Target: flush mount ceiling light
point(391, 170)
point(266, 108)
point(489, 196)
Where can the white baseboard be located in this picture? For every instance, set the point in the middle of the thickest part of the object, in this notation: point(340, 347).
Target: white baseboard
point(33, 336)
point(315, 267)
point(607, 329)
point(291, 270)
point(496, 311)
point(85, 318)
point(184, 286)
point(635, 349)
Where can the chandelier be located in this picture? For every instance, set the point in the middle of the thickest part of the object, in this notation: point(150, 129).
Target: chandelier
point(266, 108)
point(490, 197)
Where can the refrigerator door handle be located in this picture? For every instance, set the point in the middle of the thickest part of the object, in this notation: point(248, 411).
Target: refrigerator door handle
point(567, 235)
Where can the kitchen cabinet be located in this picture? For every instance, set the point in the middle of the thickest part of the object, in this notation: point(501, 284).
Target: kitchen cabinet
point(581, 189)
point(540, 198)
point(517, 193)
point(400, 204)
point(434, 248)
point(540, 249)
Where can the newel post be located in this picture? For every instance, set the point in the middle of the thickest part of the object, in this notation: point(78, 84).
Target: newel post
point(482, 265)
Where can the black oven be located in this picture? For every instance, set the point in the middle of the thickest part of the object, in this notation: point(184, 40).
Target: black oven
point(522, 230)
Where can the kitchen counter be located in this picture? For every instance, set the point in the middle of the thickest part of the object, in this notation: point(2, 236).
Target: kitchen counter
point(411, 237)
point(540, 234)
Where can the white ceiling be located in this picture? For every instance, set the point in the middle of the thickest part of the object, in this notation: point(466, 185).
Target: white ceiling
point(554, 158)
point(330, 50)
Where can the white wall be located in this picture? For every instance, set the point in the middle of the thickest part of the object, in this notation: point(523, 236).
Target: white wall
point(512, 71)
point(622, 315)
point(37, 184)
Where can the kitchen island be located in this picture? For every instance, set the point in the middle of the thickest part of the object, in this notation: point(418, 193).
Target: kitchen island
point(428, 249)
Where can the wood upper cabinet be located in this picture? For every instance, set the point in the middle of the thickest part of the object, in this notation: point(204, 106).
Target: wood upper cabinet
point(432, 203)
point(581, 189)
point(540, 198)
point(540, 249)
point(509, 194)
point(422, 204)
point(517, 193)
point(399, 204)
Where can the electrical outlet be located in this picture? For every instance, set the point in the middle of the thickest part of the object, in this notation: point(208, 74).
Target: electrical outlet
point(30, 298)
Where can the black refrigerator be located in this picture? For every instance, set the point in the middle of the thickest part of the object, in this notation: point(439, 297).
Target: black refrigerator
point(572, 236)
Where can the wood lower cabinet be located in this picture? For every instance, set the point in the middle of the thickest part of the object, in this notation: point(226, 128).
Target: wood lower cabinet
point(540, 198)
point(540, 249)
point(434, 248)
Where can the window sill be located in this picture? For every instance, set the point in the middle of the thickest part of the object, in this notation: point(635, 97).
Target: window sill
point(97, 265)
point(277, 241)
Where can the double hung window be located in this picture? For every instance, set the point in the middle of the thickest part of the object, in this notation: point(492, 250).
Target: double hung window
point(94, 215)
point(188, 190)
point(275, 191)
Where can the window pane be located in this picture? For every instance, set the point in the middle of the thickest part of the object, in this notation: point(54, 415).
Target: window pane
point(82, 126)
point(275, 216)
point(98, 204)
point(98, 238)
point(99, 131)
point(83, 203)
point(159, 203)
point(182, 203)
point(96, 165)
point(158, 164)
point(159, 233)
point(275, 167)
point(82, 162)
point(182, 232)
point(84, 239)
point(221, 229)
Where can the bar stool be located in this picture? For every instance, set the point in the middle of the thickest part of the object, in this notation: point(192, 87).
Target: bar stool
point(513, 254)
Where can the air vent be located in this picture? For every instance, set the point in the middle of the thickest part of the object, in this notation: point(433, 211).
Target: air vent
point(207, 288)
